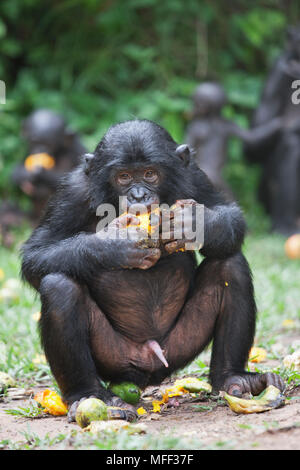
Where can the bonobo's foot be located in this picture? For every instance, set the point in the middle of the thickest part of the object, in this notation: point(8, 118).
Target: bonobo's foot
point(130, 413)
point(251, 382)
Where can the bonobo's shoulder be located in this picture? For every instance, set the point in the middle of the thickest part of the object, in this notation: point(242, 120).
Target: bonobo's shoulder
point(70, 201)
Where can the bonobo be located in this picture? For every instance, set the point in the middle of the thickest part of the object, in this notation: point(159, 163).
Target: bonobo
point(115, 310)
point(53, 150)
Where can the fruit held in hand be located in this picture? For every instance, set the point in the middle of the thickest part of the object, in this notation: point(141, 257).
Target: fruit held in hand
point(127, 391)
point(91, 409)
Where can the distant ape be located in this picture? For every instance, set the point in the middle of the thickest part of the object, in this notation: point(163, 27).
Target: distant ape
point(111, 307)
point(53, 150)
point(280, 156)
point(208, 133)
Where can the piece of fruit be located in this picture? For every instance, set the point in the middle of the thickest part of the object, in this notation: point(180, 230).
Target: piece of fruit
point(51, 402)
point(114, 426)
point(91, 409)
point(257, 354)
point(39, 160)
point(6, 381)
point(193, 385)
point(270, 398)
point(292, 361)
point(149, 221)
point(127, 391)
point(292, 246)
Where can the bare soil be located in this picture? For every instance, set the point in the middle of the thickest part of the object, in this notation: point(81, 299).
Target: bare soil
point(215, 426)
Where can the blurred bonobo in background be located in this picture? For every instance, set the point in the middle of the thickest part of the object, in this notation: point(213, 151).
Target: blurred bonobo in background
point(208, 133)
point(53, 150)
point(279, 156)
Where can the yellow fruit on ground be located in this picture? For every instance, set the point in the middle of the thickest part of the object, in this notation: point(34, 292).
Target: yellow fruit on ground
point(51, 402)
point(257, 354)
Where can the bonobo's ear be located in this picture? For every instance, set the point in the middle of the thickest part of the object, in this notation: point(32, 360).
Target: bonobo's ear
point(87, 158)
point(184, 153)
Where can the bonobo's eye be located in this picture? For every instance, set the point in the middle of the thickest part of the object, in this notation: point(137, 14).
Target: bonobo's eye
point(124, 177)
point(151, 176)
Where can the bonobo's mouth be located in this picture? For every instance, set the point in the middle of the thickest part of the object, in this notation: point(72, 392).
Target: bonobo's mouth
point(138, 208)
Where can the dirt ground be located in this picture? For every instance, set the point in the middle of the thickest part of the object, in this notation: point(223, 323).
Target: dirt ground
point(271, 430)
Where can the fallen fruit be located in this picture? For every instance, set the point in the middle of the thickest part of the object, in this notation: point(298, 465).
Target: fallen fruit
point(270, 398)
point(193, 385)
point(6, 381)
point(257, 354)
point(127, 391)
point(292, 361)
point(292, 246)
point(91, 409)
point(51, 402)
point(114, 426)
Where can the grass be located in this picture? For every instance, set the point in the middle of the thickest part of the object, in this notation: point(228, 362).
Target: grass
point(276, 280)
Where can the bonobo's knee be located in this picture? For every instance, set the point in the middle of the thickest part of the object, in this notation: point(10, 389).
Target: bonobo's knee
point(58, 291)
point(233, 267)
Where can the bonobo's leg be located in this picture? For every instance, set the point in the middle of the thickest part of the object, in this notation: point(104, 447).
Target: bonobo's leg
point(221, 307)
point(65, 327)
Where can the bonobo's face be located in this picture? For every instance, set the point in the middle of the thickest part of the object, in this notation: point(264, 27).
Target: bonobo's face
point(138, 160)
point(140, 185)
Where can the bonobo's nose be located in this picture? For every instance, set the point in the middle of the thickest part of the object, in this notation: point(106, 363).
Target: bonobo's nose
point(138, 194)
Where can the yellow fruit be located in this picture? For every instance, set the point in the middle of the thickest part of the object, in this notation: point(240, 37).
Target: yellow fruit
point(193, 385)
point(292, 246)
point(149, 221)
point(39, 160)
point(257, 354)
point(91, 409)
point(270, 398)
point(52, 402)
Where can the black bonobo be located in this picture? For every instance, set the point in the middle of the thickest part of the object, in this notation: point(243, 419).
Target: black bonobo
point(115, 310)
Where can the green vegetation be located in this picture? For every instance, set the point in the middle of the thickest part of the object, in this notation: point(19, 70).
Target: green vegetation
point(98, 62)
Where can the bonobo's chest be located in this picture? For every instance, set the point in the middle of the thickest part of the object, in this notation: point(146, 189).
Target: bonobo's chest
point(143, 304)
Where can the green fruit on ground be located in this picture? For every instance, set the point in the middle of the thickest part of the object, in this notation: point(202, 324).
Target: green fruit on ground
point(127, 391)
point(91, 409)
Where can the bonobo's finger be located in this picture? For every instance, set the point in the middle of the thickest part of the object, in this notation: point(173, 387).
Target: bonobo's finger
point(150, 259)
point(174, 246)
point(183, 202)
point(124, 220)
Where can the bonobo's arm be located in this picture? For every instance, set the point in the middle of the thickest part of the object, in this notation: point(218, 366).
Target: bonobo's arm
point(224, 224)
point(257, 135)
point(66, 240)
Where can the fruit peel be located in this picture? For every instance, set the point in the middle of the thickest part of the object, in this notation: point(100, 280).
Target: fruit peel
point(270, 398)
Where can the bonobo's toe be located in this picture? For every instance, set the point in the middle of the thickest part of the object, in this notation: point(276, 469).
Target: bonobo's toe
point(130, 413)
point(253, 383)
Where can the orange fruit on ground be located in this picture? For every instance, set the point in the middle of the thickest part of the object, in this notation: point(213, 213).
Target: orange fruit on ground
point(292, 246)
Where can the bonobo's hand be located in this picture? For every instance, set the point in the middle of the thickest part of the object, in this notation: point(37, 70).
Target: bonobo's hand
point(185, 227)
point(124, 247)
